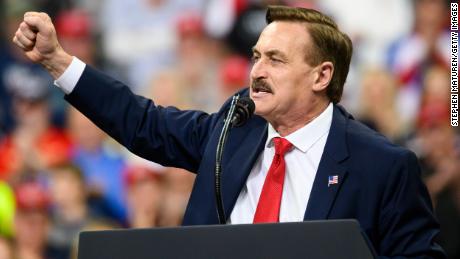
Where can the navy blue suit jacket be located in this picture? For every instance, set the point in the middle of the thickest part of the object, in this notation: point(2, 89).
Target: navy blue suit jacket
point(379, 183)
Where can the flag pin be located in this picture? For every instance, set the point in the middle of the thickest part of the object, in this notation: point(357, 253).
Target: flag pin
point(333, 179)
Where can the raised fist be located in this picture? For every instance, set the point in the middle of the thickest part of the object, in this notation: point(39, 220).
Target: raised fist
point(37, 37)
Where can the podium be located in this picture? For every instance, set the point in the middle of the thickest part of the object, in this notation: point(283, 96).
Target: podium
point(310, 239)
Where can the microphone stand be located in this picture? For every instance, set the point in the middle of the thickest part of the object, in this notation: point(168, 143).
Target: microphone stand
point(219, 153)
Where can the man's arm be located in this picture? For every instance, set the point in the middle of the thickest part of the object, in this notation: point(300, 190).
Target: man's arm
point(164, 135)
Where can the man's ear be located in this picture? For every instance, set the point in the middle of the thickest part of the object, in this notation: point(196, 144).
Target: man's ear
point(324, 74)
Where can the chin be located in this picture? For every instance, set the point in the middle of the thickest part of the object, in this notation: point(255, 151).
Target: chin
point(264, 104)
point(261, 110)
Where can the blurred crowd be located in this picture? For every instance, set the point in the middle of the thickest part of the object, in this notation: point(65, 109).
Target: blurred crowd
point(60, 174)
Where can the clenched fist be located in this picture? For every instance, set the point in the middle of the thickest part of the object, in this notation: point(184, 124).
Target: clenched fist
point(37, 37)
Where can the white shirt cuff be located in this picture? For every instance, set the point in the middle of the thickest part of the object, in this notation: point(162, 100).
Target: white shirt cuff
point(69, 79)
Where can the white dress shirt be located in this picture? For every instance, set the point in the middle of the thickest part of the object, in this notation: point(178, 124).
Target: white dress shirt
point(301, 163)
point(69, 79)
point(301, 166)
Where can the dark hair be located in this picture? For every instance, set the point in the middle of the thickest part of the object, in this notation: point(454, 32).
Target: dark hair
point(329, 43)
point(68, 168)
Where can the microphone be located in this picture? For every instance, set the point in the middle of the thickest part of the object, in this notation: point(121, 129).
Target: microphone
point(241, 109)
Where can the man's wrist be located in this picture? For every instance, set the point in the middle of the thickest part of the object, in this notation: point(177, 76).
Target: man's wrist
point(69, 79)
point(57, 63)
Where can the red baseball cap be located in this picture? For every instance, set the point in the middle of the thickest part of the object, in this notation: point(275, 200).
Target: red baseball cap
point(190, 24)
point(234, 71)
point(136, 174)
point(31, 196)
point(73, 24)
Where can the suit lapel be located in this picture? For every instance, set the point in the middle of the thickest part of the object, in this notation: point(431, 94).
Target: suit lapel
point(243, 148)
point(331, 167)
point(323, 193)
point(240, 154)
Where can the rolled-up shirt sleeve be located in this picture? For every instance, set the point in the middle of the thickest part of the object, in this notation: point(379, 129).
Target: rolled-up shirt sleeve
point(69, 79)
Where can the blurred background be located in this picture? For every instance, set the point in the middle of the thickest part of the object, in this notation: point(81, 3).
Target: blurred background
point(60, 174)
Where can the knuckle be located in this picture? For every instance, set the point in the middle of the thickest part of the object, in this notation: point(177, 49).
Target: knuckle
point(23, 26)
point(30, 19)
point(23, 39)
point(20, 37)
point(44, 16)
point(19, 44)
point(27, 43)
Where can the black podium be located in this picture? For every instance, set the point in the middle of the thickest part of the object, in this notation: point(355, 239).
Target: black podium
point(311, 239)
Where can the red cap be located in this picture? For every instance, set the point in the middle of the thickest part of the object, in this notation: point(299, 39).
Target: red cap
point(74, 24)
point(136, 174)
point(31, 196)
point(234, 71)
point(190, 24)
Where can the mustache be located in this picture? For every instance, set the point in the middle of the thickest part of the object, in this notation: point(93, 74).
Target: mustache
point(260, 84)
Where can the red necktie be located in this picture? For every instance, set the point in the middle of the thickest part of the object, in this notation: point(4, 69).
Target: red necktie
point(268, 208)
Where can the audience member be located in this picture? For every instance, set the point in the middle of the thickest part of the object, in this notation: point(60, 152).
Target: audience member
point(234, 74)
point(167, 89)
point(70, 211)
point(102, 166)
point(411, 56)
point(439, 150)
point(248, 25)
point(436, 86)
point(31, 223)
point(143, 196)
point(196, 63)
point(14, 67)
point(75, 30)
point(138, 37)
point(378, 104)
point(34, 144)
point(177, 187)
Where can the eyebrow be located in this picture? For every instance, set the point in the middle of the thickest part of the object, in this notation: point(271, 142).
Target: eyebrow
point(271, 53)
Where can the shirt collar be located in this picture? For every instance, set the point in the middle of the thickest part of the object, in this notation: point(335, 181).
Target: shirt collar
point(305, 137)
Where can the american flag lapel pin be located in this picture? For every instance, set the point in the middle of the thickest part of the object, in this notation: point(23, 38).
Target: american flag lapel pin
point(333, 179)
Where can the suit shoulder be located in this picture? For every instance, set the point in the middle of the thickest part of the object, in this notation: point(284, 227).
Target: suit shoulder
point(374, 160)
point(374, 144)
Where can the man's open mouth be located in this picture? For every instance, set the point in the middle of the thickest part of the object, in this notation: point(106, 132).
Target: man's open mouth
point(259, 86)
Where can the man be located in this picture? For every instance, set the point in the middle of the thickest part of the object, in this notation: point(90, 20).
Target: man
point(143, 196)
point(326, 165)
point(31, 223)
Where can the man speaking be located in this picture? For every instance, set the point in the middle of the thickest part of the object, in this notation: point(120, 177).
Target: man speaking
point(300, 157)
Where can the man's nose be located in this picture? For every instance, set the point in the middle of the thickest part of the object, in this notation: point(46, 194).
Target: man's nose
point(258, 70)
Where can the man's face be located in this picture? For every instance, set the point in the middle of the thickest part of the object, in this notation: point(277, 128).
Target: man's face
point(281, 79)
